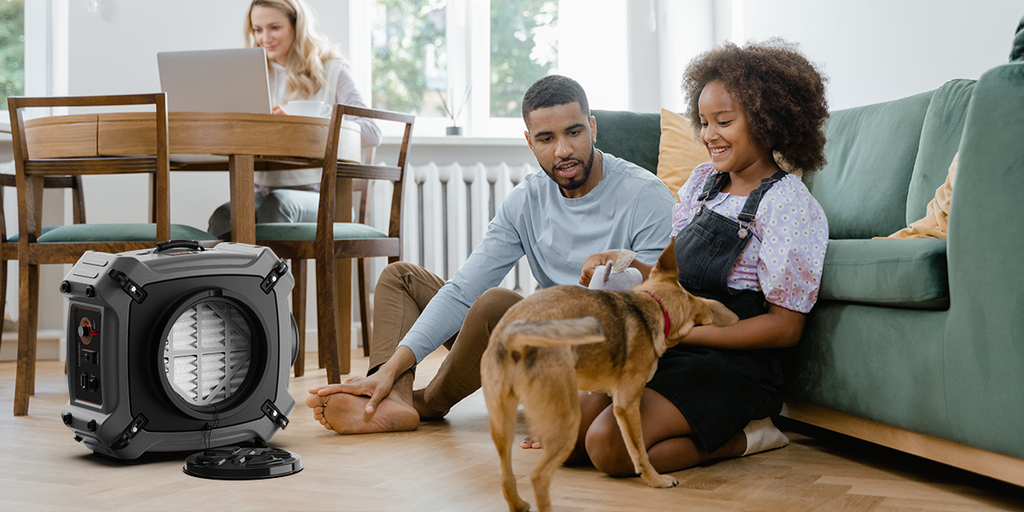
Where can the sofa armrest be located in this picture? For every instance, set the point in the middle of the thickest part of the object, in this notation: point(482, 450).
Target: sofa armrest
point(986, 225)
point(984, 345)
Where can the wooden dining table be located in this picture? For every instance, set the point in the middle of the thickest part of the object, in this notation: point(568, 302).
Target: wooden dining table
point(251, 142)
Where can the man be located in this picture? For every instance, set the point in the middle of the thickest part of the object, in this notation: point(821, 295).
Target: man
point(587, 203)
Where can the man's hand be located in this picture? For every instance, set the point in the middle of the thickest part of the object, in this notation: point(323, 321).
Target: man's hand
point(594, 260)
point(376, 387)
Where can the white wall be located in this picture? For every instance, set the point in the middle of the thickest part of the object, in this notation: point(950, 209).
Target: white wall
point(113, 50)
point(871, 50)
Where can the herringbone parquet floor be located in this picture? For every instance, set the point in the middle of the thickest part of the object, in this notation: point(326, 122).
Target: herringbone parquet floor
point(452, 466)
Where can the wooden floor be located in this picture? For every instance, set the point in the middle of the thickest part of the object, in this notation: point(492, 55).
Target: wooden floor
point(452, 466)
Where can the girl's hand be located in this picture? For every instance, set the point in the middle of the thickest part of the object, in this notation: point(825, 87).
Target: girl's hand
point(278, 110)
point(594, 260)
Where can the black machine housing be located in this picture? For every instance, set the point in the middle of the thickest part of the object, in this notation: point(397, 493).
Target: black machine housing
point(127, 397)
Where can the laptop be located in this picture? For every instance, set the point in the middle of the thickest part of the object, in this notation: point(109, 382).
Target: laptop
point(233, 80)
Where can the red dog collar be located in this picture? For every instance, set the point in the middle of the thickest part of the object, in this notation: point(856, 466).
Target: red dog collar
point(668, 323)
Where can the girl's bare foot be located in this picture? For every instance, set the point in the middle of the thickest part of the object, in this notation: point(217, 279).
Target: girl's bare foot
point(529, 443)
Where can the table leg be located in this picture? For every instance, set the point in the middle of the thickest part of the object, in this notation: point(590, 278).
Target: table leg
point(243, 210)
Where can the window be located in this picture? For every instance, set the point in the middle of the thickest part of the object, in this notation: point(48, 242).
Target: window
point(462, 62)
point(524, 47)
point(12, 50)
point(409, 56)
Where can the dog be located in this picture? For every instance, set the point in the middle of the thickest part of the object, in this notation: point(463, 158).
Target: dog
point(568, 338)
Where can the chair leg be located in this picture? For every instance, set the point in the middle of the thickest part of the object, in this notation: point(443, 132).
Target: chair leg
point(299, 311)
point(327, 317)
point(343, 336)
point(365, 314)
point(28, 302)
point(3, 294)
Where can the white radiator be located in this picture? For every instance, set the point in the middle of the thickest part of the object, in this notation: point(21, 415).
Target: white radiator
point(445, 215)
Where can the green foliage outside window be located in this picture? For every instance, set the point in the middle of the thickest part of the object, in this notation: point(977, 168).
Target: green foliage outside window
point(523, 48)
point(12, 50)
point(409, 55)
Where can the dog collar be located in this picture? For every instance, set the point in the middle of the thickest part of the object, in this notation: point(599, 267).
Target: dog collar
point(668, 323)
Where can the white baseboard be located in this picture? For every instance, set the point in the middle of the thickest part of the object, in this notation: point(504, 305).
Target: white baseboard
point(48, 345)
point(357, 337)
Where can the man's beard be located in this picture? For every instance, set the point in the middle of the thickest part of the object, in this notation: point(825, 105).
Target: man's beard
point(576, 181)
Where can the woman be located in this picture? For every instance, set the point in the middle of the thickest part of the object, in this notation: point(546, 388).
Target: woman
point(748, 234)
point(303, 65)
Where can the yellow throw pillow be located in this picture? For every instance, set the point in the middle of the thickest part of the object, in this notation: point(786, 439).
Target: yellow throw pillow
point(933, 225)
point(678, 152)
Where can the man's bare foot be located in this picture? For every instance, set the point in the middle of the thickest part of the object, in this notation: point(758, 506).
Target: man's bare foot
point(425, 411)
point(529, 443)
point(346, 414)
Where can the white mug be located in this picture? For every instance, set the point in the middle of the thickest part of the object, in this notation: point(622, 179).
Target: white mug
point(307, 108)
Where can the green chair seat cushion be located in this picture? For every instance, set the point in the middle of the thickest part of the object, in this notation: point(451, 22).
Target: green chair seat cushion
point(46, 229)
point(118, 233)
point(306, 231)
point(887, 272)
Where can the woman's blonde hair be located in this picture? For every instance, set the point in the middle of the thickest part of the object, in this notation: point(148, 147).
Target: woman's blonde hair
point(310, 49)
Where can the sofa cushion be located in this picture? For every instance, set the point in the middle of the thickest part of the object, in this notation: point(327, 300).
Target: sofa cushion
point(1017, 50)
point(871, 152)
point(678, 153)
point(632, 136)
point(888, 272)
point(935, 222)
point(940, 139)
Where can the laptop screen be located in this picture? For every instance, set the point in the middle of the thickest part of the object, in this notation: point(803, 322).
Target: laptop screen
point(233, 80)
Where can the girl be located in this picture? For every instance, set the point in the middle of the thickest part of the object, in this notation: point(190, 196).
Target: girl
point(303, 65)
point(749, 235)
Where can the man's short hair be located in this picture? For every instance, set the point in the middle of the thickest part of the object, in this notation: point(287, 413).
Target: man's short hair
point(554, 90)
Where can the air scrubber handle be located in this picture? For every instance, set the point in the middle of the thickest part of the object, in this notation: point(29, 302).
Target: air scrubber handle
point(178, 244)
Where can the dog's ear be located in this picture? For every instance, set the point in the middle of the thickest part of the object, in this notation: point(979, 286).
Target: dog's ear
point(714, 312)
point(666, 267)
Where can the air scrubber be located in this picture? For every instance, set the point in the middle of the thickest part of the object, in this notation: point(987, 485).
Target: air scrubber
point(178, 348)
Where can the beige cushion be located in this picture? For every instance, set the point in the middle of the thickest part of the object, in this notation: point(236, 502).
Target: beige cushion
point(678, 152)
point(933, 225)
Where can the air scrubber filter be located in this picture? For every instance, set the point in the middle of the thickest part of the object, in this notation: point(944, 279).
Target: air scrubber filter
point(178, 348)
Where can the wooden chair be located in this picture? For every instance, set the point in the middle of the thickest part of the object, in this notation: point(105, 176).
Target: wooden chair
point(363, 188)
point(327, 241)
point(9, 245)
point(37, 157)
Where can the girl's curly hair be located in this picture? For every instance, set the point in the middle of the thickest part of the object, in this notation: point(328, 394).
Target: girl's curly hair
point(782, 92)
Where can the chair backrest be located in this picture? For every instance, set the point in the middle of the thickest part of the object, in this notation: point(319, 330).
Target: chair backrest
point(333, 169)
point(34, 166)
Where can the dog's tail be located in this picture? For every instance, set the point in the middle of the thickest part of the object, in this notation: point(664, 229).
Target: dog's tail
point(553, 333)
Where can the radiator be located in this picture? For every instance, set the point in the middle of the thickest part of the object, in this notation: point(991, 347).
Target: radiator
point(445, 215)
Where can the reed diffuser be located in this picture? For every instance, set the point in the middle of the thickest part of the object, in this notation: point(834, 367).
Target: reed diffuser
point(453, 114)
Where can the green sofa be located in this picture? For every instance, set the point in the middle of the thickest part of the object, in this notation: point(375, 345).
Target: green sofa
point(914, 344)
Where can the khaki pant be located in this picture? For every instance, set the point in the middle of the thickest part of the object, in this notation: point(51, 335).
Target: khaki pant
point(402, 292)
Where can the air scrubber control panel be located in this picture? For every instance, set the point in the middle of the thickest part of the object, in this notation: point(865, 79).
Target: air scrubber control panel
point(86, 335)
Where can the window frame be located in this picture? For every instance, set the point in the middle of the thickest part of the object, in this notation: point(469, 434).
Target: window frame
point(468, 33)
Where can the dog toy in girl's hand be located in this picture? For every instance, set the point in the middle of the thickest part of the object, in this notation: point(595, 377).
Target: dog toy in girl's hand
point(618, 275)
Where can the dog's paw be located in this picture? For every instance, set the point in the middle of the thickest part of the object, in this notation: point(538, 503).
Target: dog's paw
point(662, 481)
point(522, 506)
